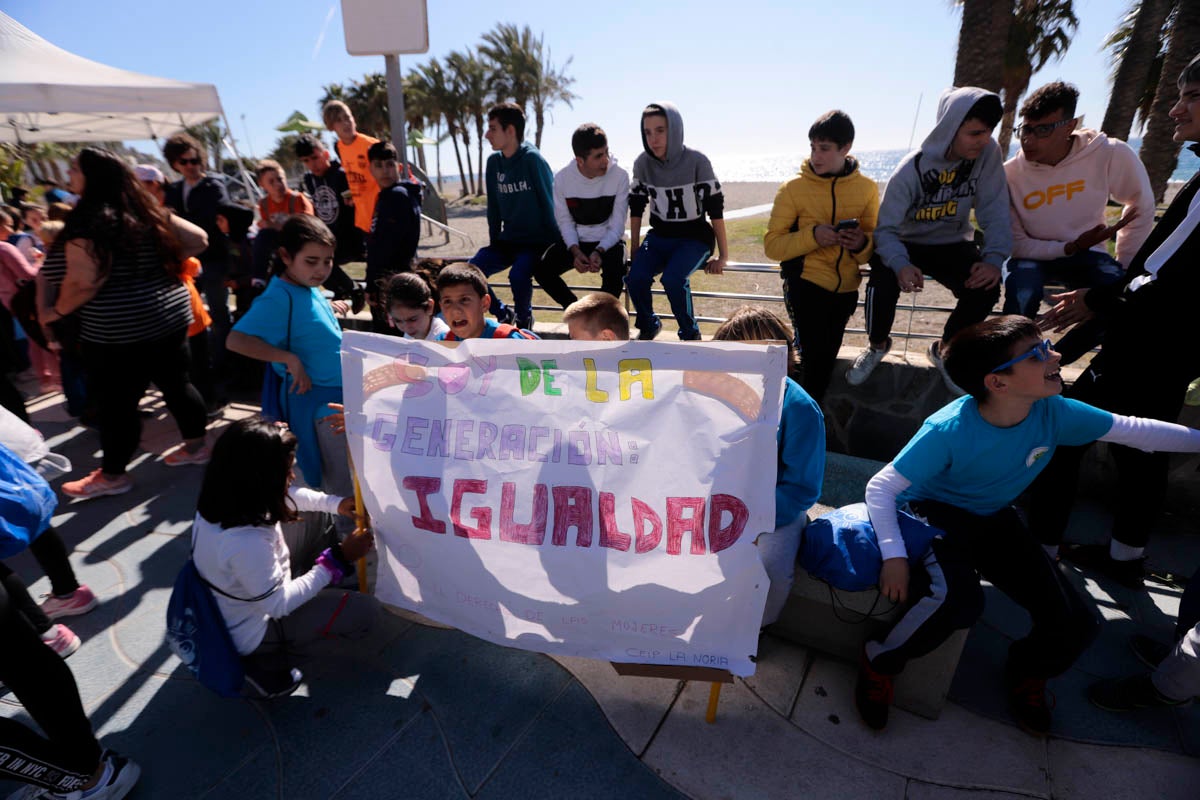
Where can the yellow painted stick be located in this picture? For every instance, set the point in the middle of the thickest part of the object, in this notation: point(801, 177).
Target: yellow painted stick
point(360, 523)
point(714, 695)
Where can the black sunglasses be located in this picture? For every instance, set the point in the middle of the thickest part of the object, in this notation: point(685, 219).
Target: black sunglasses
point(1040, 131)
point(189, 162)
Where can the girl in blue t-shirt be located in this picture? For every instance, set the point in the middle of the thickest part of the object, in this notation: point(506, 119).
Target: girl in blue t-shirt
point(962, 471)
point(293, 327)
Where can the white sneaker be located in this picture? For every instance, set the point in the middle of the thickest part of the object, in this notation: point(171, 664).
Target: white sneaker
point(119, 777)
point(935, 357)
point(865, 364)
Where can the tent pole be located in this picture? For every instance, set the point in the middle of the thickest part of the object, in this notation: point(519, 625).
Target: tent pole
point(241, 171)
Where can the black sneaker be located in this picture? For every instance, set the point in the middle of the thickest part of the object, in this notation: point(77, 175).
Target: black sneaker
point(358, 300)
point(265, 684)
point(1127, 694)
point(1150, 652)
point(1030, 704)
point(524, 323)
point(1095, 557)
point(506, 316)
point(646, 334)
point(873, 694)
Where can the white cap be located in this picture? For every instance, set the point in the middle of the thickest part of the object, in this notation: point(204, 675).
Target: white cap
point(148, 172)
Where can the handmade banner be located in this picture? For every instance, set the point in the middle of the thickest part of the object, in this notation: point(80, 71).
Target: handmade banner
point(581, 498)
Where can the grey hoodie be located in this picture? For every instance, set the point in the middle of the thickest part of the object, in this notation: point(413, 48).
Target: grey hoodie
point(680, 188)
point(928, 199)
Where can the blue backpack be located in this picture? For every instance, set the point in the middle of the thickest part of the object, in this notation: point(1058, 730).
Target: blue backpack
point(26, 503)
point(197, 634)
point(841, 548)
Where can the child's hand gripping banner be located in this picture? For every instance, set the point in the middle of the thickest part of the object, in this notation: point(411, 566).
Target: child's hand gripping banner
point(580, 498)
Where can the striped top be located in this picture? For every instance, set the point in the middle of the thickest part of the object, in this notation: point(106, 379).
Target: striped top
point(139, 302)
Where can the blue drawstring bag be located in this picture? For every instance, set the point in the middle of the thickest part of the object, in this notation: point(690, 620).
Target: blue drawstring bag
point(26, 503)
point(841, 548)
point(197, 634)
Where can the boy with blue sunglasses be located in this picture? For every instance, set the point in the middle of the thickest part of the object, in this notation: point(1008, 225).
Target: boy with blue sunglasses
point(962, 471)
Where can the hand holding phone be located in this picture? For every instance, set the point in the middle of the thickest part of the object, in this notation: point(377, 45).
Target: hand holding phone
point(846, 225)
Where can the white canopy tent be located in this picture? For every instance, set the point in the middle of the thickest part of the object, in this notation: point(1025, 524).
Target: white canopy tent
point(50, 95)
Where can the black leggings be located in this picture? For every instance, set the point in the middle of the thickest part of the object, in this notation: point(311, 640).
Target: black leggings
point(68, 755)
point(120, 374)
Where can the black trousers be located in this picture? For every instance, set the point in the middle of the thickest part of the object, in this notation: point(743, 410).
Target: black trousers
point(1115, 383)
point(948, 264)
point(819, 319)
point(65, 758)
point(558, 260)
point(120, 374)
point(10, 362)
point(999, 549)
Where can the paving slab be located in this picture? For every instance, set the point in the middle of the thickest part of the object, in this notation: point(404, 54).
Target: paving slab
point(1086, 772)
point(960, 748)
point(779, 673)
point(561, 756)
point(483, 695)
point(634, 706)
point(752, 753)
point(412, 763)
point(932, 791)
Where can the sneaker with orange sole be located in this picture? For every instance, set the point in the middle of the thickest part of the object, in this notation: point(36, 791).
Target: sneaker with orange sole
point(181, 456)
point(95, 484)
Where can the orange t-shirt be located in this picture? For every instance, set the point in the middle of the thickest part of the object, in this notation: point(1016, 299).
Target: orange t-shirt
point(358, 173)
point(275, 214)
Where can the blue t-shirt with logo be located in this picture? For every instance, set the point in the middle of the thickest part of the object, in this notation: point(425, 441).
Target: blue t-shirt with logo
point(960, 459)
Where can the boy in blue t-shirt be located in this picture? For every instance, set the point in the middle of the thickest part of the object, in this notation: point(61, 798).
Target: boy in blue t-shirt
point(961, 471)
point(464, 298)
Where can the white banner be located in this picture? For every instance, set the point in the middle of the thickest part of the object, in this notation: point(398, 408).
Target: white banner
point(581, 498)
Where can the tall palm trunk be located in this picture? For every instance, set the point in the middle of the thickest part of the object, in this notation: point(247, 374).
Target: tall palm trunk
point(539, 117)
point(1160, 153)
point(457, 155)
point(470, 169)
point(438, 151)
point(1135, 66)
point(479, 124)
point(982, 40)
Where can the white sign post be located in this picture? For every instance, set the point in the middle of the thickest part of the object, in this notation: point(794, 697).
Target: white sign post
point(388, 28)
point(588, 499)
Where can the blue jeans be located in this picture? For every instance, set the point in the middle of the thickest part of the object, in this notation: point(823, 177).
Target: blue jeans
point(675, 260)
point(1024, 285)
point(522, 259)
point(1025, 279)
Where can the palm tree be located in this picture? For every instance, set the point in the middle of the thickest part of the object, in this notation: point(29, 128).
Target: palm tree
point(444, 96)
point(1160, 152)
point(982, 41)
point(1135, 51)
point(472, 79)
point(553, 86)
point(515, 56)
point(1041, 30)
point(420, 105)
point(369, 104)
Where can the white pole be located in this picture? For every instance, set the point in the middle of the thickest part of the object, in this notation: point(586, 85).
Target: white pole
point(395, 93)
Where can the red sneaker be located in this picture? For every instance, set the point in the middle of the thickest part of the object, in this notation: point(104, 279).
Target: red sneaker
point(873, 694)
point(77, 602)
point(61, 640)
point(181, 456)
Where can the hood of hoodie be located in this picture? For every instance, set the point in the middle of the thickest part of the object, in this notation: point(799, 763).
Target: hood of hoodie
point(508, 163)
point(952, 110)
point(849, 168)
point(675, 148)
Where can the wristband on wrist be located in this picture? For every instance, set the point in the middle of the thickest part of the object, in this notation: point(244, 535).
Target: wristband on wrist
point(334, 564)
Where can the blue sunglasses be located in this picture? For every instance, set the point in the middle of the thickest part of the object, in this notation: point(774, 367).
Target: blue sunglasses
point(1040, 351)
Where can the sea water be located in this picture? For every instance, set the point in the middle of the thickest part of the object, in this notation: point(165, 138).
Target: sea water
point(877, 164)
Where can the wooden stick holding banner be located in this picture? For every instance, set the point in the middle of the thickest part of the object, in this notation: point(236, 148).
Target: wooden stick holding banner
point(361, 523)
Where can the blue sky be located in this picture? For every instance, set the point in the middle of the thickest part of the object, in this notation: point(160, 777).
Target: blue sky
point(749, 77)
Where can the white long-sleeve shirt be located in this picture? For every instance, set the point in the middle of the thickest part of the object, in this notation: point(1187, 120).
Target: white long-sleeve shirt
point(591, 209)
point(250, 560)
point(888, 484)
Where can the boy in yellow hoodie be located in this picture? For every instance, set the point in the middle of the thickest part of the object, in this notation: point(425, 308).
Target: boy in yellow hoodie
point(821, 230)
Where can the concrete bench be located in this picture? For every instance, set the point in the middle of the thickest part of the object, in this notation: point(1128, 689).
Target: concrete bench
point(839, 623)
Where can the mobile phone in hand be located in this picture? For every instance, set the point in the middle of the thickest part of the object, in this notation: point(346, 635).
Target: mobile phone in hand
point(846, 225)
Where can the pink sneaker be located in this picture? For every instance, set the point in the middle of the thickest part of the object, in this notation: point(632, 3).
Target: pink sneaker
point(77, 602)
point(96, 485)
point(181, 456)
point(61, 640)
